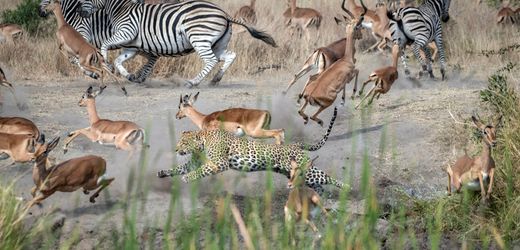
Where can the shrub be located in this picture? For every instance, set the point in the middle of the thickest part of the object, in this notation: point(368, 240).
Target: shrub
point(25, 15)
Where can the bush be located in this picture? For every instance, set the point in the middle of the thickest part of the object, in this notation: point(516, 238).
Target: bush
point(25, 15)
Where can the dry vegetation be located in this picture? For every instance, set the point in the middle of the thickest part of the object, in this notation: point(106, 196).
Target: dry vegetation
point(464, 47)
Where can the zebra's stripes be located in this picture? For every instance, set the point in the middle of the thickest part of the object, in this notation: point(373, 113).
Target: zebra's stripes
point(96, 29)
point(421, 26)
point(171, 30)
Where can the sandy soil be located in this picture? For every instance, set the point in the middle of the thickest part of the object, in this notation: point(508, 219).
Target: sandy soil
point(412, 119)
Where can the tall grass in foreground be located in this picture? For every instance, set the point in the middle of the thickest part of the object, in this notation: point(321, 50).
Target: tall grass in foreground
point(12, 236)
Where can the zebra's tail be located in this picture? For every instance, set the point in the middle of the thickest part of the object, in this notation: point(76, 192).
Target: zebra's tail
point(266, 38)
point(325, 137)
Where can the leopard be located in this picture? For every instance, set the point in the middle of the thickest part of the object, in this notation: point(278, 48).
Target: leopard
point(215, 151)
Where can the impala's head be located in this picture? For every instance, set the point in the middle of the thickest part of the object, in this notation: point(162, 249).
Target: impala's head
point(47, 6)
point(185, 102)
point(89, 7)
point(189, 142)
point(43, 151)
point(297, 173)
point(42, 8)
point(488, 131)
point(90, 96)
point(353, 24)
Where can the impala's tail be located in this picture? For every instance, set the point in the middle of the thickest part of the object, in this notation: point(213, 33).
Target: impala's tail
point(136, 136)
point(325, 137)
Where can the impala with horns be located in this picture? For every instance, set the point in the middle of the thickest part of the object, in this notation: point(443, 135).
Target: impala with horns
point(302, 19)
point(9, 30)
point(383, 78)
point(475, 173)
point(72, 44)
point(371, 19)
point(252, 122)
point(302, 199)
point(324, 88)
point(321, 59)
point(87, 172)
point(123, 135)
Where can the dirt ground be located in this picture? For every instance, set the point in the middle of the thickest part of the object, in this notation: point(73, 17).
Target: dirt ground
point(410, 122)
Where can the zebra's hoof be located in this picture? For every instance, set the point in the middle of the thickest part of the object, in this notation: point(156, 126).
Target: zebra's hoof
point(190, 85)
point(135, 79)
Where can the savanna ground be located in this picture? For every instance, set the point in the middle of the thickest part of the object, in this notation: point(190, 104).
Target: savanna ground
point(396, 148)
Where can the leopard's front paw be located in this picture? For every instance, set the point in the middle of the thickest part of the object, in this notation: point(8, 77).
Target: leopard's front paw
point(163, 173)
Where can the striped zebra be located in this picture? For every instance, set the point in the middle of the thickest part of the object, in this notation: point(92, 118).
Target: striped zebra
point(421, 26)
point(96, 29)
point(172, 30)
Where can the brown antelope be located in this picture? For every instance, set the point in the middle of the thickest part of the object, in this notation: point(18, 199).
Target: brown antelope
point(247, 13)
point(123, 135)
point(87, 172)
point(302, 18)
point(9, 31)
point(371, 19)
point(383, 78)
point(506, 13)
point(20, 126)
point(476, 172)
point(324, 88)
point(321, 58)
point(302, 199)
point(19, 148)
point(252, 122)
point(72, 44)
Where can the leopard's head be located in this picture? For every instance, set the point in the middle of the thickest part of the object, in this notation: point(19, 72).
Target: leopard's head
point(190, 142)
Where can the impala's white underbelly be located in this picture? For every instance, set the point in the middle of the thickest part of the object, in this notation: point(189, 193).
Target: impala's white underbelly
point(474, 185)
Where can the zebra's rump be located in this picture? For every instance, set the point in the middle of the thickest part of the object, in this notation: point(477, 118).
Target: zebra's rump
point(414, 22)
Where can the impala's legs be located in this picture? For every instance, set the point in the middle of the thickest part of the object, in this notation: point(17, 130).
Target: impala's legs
point(72, 135)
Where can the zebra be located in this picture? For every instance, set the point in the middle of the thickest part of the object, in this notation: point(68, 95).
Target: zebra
point(95, 30)
point(172, 30)
point(421, 26)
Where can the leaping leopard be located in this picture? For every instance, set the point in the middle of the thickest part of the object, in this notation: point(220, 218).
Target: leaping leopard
point(223, 150)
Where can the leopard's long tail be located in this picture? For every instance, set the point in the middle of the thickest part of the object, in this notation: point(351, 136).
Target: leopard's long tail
point(336, 183)
point(325, 137)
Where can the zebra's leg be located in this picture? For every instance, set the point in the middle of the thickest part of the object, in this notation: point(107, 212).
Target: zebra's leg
point(228, 57)
point(125, 36)
point(210, 60)
point(416, 47)
point(403, 60)
point(428, 59)
point(145, 71)
point(440, 49)
point(125, 55)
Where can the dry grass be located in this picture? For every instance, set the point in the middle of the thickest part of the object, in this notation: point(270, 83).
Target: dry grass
point(471, 30)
